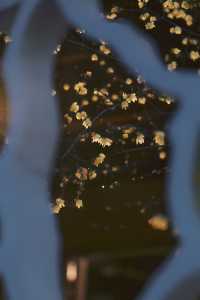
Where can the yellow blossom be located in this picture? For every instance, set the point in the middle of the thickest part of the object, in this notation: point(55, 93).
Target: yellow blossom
point(82, 174)
point(66, 87)
point(80, 88)
point(92, 175)
point(94, 57)
point(78, 203)
point(159, 138)
point(176, 30)
point(68, 118)
point(99, 159)
point(129, 81)
point(159, 222)
point(112, 16)
point(175, 50)
point(60, 203)
point(106, 142)
point(172, 66)
point(74, 107)
point(87, 123)
point(162, 155)
point(185, 5)
point(124, 105)
point(140, 139)
point(194, 55)
point(104, 49)
point(142, 100)
point(81, 115)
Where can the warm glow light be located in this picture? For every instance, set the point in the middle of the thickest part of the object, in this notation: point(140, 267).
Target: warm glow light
point(71, 271)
